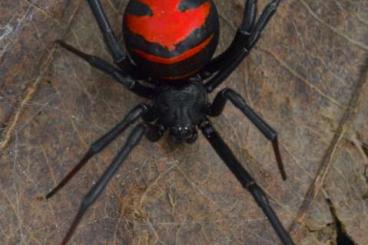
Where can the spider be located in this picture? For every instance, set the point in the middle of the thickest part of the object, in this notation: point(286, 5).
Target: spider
point(169, 47)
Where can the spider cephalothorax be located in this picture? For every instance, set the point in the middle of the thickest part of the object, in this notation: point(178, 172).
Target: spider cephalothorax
point(181, 109)
point(170, 45)
point(171, 39)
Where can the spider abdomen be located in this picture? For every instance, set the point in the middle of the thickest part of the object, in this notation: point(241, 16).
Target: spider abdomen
point(171, 39)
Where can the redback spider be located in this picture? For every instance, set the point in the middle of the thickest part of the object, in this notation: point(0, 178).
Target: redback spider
point(169, 45)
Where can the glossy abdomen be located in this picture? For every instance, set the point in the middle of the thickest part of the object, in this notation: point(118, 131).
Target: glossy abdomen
point(171, 39)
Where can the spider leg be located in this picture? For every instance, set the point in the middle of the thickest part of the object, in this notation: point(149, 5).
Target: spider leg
point(132, 141)
point(155, 132)
point(244, 41)
point(262, 22)
point(228, 94)
point(116, 51)
point(243, 33)
point(249, 16)
point(246, 180)
point(111, 70)
point(101, 143)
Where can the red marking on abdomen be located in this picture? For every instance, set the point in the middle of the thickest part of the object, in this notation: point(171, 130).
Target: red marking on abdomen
point(168, 26)
point(172, 60)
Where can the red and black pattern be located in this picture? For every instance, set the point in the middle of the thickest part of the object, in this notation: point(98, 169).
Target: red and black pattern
point(171, 39)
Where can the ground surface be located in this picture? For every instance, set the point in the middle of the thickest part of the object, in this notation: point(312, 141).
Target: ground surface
point(307, 77)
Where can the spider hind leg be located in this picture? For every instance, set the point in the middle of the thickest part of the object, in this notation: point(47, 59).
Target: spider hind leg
point(245, 39)
point(109, 36)
point(119, 75)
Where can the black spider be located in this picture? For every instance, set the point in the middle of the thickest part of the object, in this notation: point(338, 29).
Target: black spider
point(175, 65)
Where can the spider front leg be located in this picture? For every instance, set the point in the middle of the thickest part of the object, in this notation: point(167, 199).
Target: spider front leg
point(246, 37)
point(228, 94)
point(116, 51)
point(132, 141)
point(155, 132)
point(246, 180)
point(101, 144)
